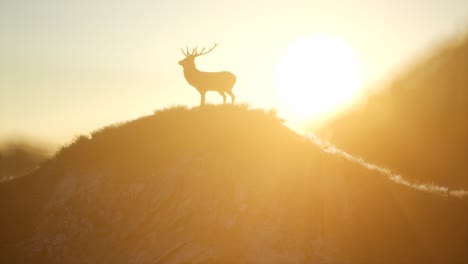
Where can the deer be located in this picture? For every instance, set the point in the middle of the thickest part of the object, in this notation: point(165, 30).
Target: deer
point(221, 82)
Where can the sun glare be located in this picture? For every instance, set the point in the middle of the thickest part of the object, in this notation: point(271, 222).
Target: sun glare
point(318, 76)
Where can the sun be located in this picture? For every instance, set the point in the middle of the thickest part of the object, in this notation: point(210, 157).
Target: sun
point(318, 76)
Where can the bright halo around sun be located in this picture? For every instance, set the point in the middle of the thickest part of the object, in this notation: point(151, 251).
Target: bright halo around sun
point(318, 76)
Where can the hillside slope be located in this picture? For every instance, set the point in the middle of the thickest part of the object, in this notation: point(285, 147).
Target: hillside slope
point(220, 184)
point(418, 125)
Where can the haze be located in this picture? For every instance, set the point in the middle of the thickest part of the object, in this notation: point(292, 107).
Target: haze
point(67, 68)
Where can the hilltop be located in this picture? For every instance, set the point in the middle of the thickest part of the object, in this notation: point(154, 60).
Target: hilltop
point(418, 124)
point(220, 184)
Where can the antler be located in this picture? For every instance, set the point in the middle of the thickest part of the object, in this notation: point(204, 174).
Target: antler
point(195, 52)
point(187, 52)
point(203, 53)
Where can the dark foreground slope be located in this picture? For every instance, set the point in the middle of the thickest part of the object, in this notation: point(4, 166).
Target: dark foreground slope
point(222, 184)
point(418, 125)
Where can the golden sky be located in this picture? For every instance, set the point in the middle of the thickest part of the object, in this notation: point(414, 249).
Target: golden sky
point(70, 67)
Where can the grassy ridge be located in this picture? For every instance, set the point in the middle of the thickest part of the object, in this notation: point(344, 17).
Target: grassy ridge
point(219, 184)
point(418, 125)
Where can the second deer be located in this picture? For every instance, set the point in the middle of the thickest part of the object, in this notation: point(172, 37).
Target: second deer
point(221, 82)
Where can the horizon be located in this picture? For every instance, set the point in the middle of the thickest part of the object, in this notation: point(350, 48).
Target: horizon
point(69, 69)
point(217, 131)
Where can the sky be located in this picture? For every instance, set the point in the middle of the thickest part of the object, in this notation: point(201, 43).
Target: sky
point(68, 68)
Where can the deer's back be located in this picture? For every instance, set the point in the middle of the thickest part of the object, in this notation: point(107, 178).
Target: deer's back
point(213, 81)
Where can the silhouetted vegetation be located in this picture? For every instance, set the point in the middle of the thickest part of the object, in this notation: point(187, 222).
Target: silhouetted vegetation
point(418, 126)
point(219, 184)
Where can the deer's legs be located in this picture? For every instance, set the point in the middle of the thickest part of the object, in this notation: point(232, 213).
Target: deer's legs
point(202, 99)
point(233, 97)
point(223, 95)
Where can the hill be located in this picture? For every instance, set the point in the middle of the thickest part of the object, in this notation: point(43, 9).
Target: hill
point(18, 158)
point(418, 124)
point(220, 184)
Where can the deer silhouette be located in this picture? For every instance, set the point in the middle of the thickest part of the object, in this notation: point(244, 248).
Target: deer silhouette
point(221, 82)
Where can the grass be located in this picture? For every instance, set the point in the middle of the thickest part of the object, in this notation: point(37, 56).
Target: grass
point(225, 179)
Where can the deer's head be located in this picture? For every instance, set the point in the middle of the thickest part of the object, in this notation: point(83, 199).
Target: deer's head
point(189, 60)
